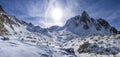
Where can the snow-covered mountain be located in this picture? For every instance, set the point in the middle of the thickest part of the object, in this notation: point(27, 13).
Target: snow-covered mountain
point(21, 39)
point(81, 25)
point(85, 25)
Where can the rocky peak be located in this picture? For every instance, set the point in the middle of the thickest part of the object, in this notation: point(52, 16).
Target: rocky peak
point(1, 9)
point(85, 14)
point(85, 25)
point(85, 17)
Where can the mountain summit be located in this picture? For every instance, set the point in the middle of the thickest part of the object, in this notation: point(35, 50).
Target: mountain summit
point(85, 25)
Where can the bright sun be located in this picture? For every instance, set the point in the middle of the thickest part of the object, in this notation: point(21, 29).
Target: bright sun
point(57, 14)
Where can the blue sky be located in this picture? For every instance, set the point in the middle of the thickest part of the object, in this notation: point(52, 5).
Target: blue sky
point(37, 11)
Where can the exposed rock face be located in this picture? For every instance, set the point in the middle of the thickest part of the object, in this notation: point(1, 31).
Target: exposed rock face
point(113, 30)
point(103, 23)
point(5, 20)
point(85, 17)
point(2, 28)
point(98, 27)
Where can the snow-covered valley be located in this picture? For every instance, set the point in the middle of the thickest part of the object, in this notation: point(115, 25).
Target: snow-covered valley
point(81, 36)
point(36, 46)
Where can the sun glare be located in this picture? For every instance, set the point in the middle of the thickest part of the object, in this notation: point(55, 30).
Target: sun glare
point(57, 14)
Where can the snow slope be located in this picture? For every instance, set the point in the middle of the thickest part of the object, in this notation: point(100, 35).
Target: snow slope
point(36, 46)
